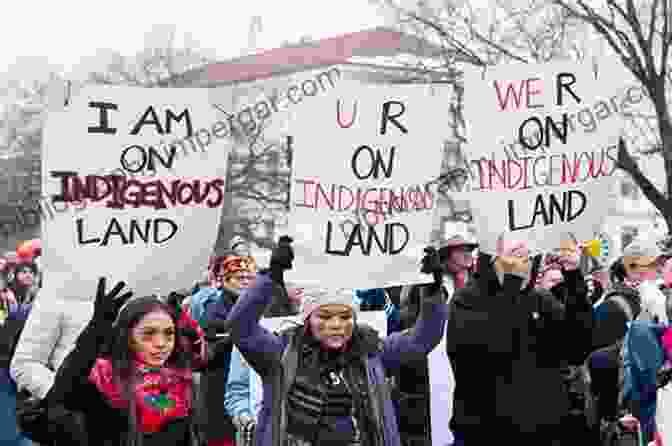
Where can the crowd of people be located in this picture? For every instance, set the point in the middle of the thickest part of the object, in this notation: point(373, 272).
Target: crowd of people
point(552, 348)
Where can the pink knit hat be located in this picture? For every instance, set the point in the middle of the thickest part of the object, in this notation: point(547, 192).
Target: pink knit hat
point(315, 298)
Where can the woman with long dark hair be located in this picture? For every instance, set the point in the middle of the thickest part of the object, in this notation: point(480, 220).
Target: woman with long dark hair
point(151, 352)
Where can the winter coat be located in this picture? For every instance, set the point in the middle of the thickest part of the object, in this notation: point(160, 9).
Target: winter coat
point(643, 355)
point(275, 358)
point(508, 348)
point(243, 390)
point(10, 331)
point(48, 336)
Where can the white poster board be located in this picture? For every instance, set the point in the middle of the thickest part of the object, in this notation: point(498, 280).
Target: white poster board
point(154, 231)
point(546, 165)
point(372, 148)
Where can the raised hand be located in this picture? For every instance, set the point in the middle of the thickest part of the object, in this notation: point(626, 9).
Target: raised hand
point(107, 305)
point(281, 258)
point(283, 254)
point(568, 255)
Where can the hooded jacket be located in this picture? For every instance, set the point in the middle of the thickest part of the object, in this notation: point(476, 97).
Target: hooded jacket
point(275, 358)
point(507, 348)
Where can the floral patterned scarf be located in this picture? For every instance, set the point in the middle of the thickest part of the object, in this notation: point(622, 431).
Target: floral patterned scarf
point(160, 394)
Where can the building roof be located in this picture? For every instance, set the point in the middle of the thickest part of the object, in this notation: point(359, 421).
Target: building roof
point(338, 50)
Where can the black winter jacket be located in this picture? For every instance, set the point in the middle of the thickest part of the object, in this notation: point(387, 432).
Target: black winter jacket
point(508, 348)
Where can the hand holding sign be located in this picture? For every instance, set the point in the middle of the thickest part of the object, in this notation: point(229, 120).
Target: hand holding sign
point(569, 255)
point(513, 255)
point(432, 265)
point(282, 258)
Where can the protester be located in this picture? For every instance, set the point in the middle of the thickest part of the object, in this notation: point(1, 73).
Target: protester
point(233, 274)
point(506, 343)
point(150, 362)
point(24, 283)
point(632, 296)
point(411, 383)
point(214, 292)
point(10, 328)
point(335, 362)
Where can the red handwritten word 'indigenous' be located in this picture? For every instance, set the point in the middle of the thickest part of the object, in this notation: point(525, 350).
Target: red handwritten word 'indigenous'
point(375, 201)
point(512, 98)
point(120, 192)
point(546, 170)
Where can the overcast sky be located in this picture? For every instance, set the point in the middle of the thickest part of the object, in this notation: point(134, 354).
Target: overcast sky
point(66, 30)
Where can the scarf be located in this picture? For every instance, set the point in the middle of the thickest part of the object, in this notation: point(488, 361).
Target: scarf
point(161, 395)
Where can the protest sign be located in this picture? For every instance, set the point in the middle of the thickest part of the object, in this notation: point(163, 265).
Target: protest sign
point(154, 231)
point(362, 200)
point(375, 319)
point(545, 166)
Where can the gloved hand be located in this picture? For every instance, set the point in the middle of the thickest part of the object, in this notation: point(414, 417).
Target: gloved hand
point(281, 258)
point(432, 265)
point(106, 308)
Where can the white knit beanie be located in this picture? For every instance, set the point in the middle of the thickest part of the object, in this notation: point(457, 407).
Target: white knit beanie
point(316, 297)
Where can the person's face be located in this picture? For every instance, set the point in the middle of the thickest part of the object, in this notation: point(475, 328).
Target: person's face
point(244, 277)
point(332, 325)
point(25, 277)
point(635, 265)
point(153, 338)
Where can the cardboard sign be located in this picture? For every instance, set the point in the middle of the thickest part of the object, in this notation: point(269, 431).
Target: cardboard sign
point(140, 211)
point(545, 166)
point(362, 200)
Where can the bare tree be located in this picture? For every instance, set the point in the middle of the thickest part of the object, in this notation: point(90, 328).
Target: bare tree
point(640, 33)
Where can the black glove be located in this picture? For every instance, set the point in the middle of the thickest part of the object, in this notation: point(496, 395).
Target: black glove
point(281, 258)
point(106, 307)
point(432, 265)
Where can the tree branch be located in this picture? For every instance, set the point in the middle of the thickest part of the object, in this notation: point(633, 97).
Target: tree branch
point(628, 164)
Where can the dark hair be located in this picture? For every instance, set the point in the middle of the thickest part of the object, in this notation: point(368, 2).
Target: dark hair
point(121, 357)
